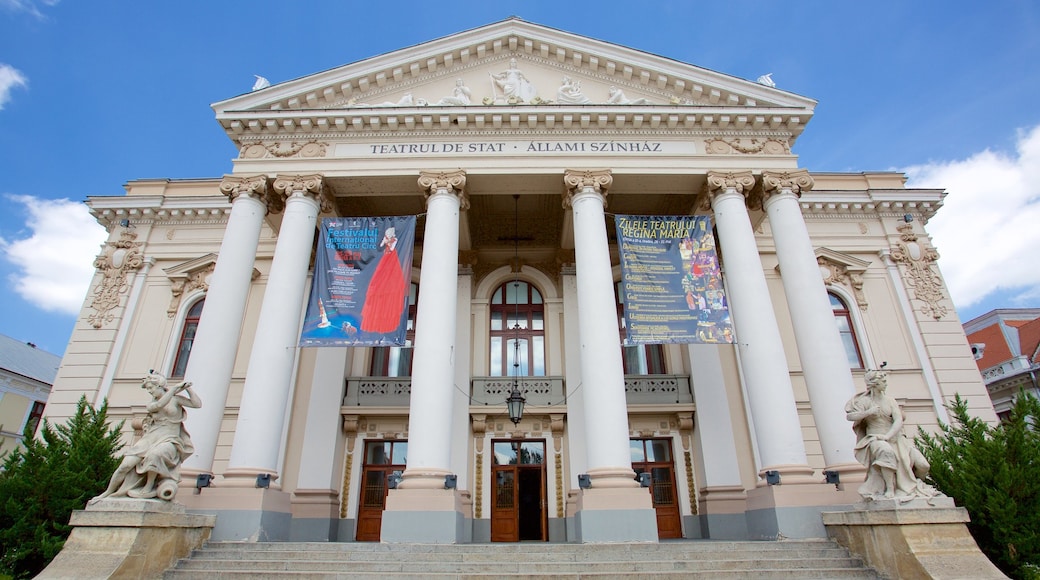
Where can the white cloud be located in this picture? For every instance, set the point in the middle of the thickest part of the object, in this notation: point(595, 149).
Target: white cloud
point(55, 263)
point(29, 6)
point(10, 79)
point(988, 230)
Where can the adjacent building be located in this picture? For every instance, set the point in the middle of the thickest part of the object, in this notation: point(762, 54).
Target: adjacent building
point(1006, 345)
point(26, 376)
point(516, 146)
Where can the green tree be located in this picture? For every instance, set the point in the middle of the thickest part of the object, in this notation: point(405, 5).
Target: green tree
point(994, 473)
point(42, 483)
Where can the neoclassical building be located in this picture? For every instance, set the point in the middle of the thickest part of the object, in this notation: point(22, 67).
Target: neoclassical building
point(515, 146)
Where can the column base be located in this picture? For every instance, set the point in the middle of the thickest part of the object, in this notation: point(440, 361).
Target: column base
point(427, 516)
point(315, 515)
point(792, 511)
point(721, 513)
point(128, 538)
point(244, 514)
point(911, 541)
point(615, 515)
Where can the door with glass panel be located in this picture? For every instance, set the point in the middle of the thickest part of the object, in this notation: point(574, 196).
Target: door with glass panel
point(654, 456)
point(382, 458)
point(518, 508)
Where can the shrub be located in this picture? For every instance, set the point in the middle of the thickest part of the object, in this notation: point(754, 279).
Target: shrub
point(43, 482)
point(994, 473)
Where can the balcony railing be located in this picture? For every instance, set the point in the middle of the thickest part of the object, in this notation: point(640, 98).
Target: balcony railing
point(539, 391)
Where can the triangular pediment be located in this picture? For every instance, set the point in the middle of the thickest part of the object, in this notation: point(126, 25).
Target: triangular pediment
point(516, 64)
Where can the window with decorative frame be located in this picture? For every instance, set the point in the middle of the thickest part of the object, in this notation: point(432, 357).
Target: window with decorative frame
point(187, 339)
point(396, 361)
point(639, 359)
point(517, 316)
point(847, 330)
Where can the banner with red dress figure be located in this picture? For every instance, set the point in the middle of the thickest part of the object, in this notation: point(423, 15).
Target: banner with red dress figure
point(671, 283)
point(362, 277)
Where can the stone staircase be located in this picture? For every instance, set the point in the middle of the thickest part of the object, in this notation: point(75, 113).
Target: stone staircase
point(794, 559)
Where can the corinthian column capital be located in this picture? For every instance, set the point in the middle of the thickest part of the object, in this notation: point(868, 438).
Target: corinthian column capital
point(248, 185)
point(578, 180)
point(796, 182)
point(453, 182)
point(720, 181)
point(312, 185)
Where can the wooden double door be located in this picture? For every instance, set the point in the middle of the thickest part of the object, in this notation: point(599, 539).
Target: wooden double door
point(382, 459)
point(654, 456)
point(518, 507)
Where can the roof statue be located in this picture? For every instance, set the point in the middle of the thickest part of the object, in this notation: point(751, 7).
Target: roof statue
point(767, 80)
point(261, 83)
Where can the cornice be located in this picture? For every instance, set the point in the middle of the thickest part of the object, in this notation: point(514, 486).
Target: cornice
point(141, 210)
point(338, 123)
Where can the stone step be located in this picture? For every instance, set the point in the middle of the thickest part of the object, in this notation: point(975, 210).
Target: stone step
point(678, 559)
point(512, 567)
point(764, 574)
point(493, 556)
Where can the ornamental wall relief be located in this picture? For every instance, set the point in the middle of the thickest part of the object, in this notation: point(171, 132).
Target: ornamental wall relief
point(284, 149)
point(922, 275)
point(843, 270)
point(770, 146)
point(117, 260)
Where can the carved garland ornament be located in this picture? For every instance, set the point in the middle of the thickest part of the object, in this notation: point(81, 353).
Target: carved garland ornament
point(924, 279)
point(115, 263)
point(479, 430)
point(770, 146)
point(350, 427)
point(285, 149)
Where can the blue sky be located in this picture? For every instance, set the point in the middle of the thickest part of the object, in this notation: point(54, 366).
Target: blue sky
point(94, 94)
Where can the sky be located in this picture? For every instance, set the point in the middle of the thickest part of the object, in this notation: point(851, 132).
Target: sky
point(96, 94)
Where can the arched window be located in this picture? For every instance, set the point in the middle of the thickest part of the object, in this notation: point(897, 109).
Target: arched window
point(641, 359)
point(845, 329)
point(191, 325)
point(396, 361)
point(517, 315)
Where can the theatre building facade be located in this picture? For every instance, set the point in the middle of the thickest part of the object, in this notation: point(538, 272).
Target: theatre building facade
point(514, 150)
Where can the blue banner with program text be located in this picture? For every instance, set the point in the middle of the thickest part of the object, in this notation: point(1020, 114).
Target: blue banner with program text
point(671, 283)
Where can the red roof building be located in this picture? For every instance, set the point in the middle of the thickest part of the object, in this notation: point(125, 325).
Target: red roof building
point(1006, 345)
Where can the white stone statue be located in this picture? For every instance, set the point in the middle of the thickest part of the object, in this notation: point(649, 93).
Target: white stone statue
point(895, 467)
point(616, 96)
point(460, 95)
point(570, 93)
point(151, 467)
point(767, 80)
point(514, 86)
point(261, 83)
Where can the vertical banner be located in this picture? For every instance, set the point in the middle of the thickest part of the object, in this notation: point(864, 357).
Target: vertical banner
point(671, 281)
point(362, 278)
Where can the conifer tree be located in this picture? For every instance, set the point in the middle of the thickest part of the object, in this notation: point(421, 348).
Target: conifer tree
point(44, 481)
point(994, 473)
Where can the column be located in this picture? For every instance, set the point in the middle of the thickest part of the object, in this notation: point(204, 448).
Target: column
point(778, 431)
point(824, 363)
point(615, 508)
point(265, 397)
point(216, 341)
point(421, 509)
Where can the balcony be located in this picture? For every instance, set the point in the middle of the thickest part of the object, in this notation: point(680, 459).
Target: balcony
point(539, 391)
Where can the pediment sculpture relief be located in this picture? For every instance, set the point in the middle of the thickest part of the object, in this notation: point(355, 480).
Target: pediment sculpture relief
point(513, 87)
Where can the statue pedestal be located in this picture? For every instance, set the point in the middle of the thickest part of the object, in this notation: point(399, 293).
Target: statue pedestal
point(128, 538)
point(917, 539)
